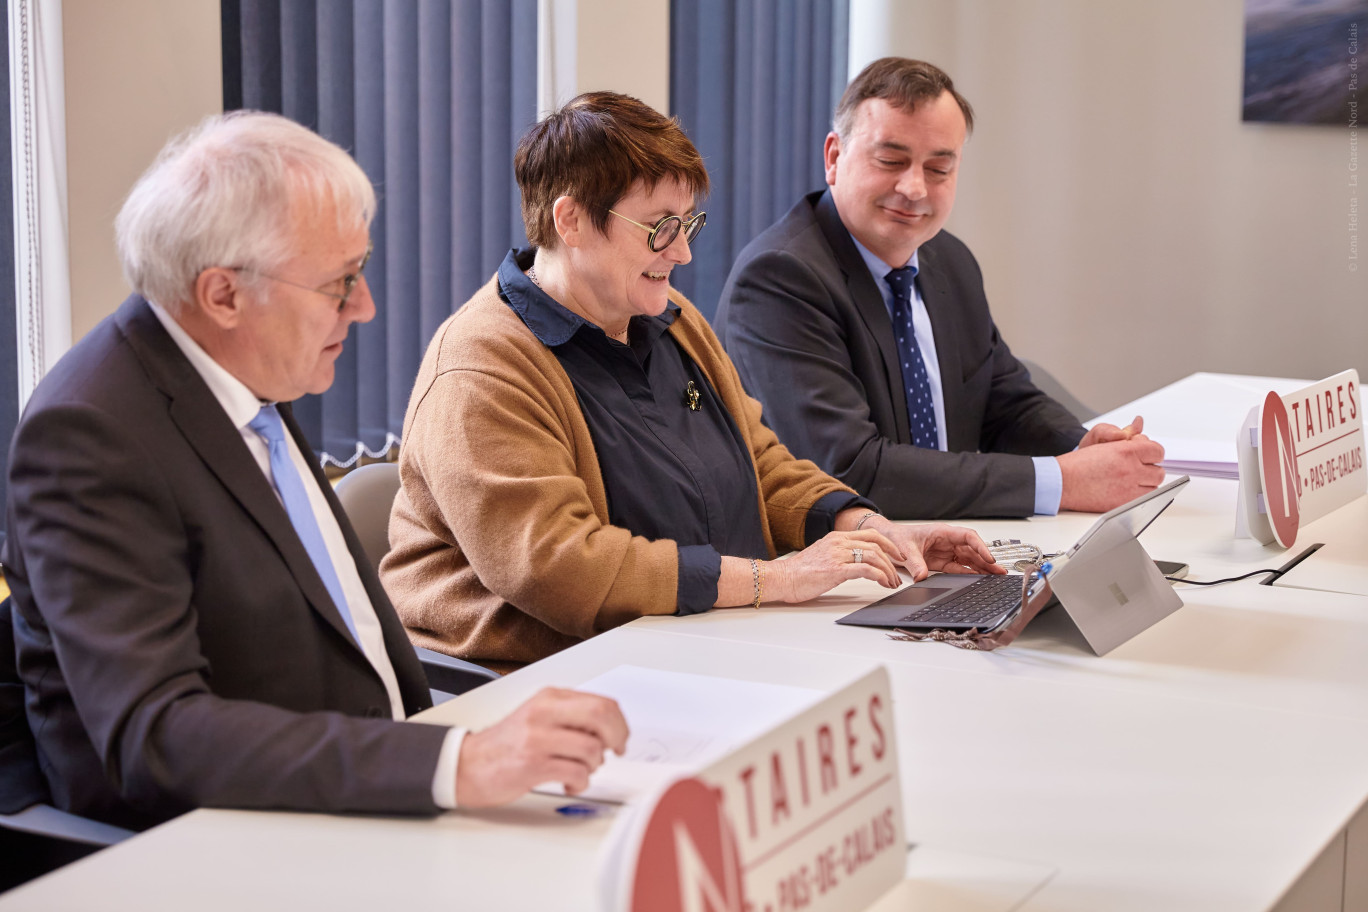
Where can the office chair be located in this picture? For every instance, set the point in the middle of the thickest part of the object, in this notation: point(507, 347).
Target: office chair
point(35, 837)
point(1047, 384)
point(367, 493)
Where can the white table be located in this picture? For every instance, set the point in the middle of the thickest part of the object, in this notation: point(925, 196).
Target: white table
point(1206, 764)
point(1342, 564)
point(522, 857)
point(525, 857)
point(1216, 761)
point(1143, 793)
point(1088, 789)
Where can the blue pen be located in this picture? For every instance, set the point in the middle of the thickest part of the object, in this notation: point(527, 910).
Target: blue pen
point(579, 810)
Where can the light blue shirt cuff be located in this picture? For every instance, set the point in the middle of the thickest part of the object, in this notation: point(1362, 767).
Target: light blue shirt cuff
point(1049, 485)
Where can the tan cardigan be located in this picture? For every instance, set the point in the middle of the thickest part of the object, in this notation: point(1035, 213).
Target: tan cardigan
point(501, 548)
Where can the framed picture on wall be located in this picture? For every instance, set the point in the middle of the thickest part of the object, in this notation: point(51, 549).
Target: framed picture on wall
point(1304, 60)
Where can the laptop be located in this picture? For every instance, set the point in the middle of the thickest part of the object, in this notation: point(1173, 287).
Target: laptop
point(1106, 582)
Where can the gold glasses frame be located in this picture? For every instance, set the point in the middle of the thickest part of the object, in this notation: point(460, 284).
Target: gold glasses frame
point(671, 226)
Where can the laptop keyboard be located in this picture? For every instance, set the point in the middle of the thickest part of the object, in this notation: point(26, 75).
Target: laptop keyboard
point(984, 602)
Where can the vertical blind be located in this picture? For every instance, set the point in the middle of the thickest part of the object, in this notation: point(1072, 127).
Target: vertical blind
point(754, 83)
point(430, 96)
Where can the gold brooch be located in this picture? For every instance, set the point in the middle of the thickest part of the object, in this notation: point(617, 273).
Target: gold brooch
point(691, 397)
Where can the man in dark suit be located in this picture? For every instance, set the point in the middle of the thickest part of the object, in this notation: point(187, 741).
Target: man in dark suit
point(196, 622)
point(864, 330)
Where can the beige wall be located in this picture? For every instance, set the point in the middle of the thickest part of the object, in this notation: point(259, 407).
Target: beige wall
point(625, 46)
point(1131, 229)
point(137, 72)
point(618, 45)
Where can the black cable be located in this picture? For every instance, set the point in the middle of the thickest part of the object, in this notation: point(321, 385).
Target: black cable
point(1232, 579)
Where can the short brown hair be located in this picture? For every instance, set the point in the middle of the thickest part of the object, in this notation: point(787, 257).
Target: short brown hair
point(901, 82)
point(594, 150)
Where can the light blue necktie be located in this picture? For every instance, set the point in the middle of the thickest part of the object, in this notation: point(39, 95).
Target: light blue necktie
point(921, 412)
point(268, 426)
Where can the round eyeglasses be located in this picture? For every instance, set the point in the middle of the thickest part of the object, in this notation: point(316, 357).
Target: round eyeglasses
point(664, 232)
point(349, 281)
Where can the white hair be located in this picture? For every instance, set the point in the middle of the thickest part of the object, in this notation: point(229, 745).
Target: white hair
point(221, 194)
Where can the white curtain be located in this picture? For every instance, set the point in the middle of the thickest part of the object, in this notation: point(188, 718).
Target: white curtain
point(42, 283)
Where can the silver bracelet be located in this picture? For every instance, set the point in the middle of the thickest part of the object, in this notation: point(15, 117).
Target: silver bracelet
point(861, 523)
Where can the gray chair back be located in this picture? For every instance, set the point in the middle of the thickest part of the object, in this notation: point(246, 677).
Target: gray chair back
point(367, 493)
point(1047, 384)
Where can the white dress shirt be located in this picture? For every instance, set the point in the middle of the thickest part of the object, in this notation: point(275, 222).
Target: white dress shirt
point(241, 406)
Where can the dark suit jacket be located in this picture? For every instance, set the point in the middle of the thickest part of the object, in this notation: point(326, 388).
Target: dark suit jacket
point(21, 781)
point(809, 332)
point(177, 647)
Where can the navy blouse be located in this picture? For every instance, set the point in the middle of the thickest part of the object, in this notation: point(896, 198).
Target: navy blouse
point(671, 471)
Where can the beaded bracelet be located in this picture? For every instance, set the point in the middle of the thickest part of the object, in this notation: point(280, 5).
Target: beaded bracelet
point(863, 518)
point(758, 579)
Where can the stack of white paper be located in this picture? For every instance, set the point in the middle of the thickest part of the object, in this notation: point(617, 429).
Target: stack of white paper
point(1208, 458)
point(1196, 419)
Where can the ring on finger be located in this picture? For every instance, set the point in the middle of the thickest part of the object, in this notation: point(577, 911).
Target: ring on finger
point(857, 554)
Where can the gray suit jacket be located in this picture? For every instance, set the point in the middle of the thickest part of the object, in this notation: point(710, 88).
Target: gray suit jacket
point(805, 323)
point(177, 647)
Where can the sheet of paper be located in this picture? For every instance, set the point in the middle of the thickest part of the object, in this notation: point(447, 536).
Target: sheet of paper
point(681, 722)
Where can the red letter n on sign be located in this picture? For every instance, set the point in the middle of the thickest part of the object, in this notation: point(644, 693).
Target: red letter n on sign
point(1278, 471)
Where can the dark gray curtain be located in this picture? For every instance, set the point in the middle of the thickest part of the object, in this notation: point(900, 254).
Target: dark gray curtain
point(431, 97)
point(754, 82)
point(9, 332)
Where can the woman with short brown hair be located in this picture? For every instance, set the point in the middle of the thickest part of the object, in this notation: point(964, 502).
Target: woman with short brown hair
point(578, 449)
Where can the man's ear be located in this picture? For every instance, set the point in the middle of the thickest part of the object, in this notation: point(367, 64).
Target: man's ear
point(831, 150)
point(570, 221)
point(218, 296)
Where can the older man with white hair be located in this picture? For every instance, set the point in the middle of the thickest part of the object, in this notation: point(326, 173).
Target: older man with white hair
point(196, 623)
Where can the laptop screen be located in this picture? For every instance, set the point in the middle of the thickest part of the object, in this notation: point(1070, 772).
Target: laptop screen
point(1129, 520)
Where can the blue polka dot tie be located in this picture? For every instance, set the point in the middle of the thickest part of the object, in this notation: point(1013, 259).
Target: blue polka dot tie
point(921, 414)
